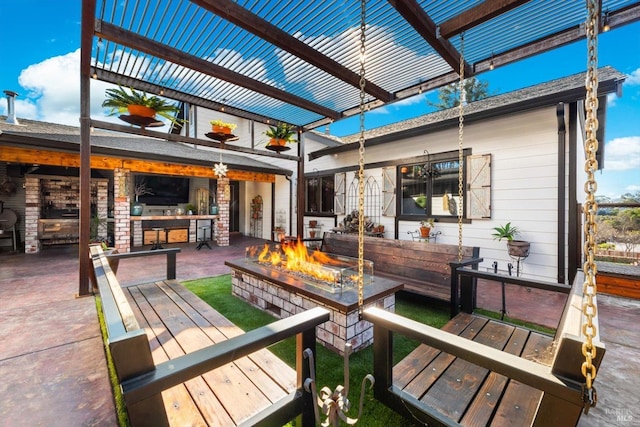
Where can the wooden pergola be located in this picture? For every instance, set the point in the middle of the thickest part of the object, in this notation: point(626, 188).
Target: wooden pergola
point(298, 62)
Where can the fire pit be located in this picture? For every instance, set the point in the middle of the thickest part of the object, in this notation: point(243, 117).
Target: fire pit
point(263, 280)
point(331, 272)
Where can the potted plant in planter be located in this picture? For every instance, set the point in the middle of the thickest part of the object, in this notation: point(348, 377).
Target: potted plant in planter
point(516, 248)
point(140, 189)
point(139, 104)
point(219, 126)
point(280, 135)
point(425, 227)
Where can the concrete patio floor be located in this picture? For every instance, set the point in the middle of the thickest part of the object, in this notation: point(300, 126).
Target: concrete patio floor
point(52, 360)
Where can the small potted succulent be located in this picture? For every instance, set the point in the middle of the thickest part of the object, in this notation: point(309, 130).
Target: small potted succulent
point(425, 227)
point(219, 126)
point(515, 248)
point(139, 104)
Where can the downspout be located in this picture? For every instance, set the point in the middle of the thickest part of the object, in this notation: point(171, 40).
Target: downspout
point(300, 189)
point(562, 146)
point(290, 203)
point(574, 243)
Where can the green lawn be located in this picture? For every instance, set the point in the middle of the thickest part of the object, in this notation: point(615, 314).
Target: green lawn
point(216, 291)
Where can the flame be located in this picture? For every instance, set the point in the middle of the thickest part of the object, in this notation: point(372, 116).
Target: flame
point(295, 257)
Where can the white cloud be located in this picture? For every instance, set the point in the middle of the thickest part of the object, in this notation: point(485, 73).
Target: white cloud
point(623, 154)
point(612, 98)
point(633, 78)
point(53, 87)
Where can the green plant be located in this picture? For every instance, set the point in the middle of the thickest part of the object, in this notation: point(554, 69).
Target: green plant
point(223, 124)
point(119, 99)
point(505, 232)
point(281, 131)
point(190, 207)
point(429, 223)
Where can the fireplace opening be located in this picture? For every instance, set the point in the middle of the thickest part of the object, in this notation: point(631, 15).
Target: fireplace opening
point(334, 273)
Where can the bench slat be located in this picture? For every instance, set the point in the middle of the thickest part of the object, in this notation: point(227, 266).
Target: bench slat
point(186, 403)
point(229, 383)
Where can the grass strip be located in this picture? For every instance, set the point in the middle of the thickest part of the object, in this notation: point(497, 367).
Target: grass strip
point(121, 410)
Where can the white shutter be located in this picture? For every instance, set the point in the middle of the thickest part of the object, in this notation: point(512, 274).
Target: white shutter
point(389, 191)
point(338, 193)
point(479, 186)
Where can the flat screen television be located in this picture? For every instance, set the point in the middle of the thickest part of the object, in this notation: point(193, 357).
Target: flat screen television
point(165, 190)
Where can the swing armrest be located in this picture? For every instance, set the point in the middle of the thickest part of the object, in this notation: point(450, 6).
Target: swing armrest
point(464, 263)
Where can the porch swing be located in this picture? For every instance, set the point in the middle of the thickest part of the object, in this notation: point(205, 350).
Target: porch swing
point(462, 375)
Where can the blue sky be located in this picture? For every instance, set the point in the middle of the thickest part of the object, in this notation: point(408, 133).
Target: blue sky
point(39, 59)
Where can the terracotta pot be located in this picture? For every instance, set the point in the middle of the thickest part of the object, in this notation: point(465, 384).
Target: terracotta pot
point(277, 142)
point(221, 129)
point(312, 234)
point(141, 111)
point(313, 224)
point(424, 231)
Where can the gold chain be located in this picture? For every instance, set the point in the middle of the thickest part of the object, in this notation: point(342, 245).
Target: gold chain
point(590, 187)
point(460, 157)
point(361, 162)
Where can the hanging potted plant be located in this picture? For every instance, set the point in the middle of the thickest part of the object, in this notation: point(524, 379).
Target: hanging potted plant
point(279, 136)
point(425, 227)
point(515, 248)
point(219, 126)
point(139, 104)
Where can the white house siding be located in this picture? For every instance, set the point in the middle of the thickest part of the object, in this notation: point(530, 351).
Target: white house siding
point(524, 149)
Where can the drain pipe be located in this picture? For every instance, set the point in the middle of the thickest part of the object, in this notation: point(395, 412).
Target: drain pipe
point(11, 109)
point(290, 203)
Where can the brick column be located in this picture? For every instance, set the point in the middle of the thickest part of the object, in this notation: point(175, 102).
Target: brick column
point(31, 215)
point(102, 209)
point(222, 224)
point(121, 210)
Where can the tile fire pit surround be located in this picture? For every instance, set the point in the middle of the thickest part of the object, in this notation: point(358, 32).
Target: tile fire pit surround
point(284, 295)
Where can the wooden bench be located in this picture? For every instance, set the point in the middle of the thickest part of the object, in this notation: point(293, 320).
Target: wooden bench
point(477, 371)
point(423, 268)
point(179, 362)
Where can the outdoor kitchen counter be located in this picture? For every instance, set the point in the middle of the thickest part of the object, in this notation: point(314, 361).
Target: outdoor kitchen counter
point(172, 217)
point(185, 225)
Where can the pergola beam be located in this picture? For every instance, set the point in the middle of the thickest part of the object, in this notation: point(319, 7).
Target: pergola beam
point(127, 38)
point(245, 19)
point(424, 25)
point(477, 15)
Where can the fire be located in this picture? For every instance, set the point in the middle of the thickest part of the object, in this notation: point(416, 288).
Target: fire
point(295, 257)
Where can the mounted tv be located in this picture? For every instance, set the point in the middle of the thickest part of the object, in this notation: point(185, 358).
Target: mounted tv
point(165, 190)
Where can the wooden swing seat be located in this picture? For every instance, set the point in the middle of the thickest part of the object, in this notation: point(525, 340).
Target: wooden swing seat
point(477, 371)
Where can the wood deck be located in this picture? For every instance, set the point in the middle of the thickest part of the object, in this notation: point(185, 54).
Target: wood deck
point(178, 322)
point(464, 392)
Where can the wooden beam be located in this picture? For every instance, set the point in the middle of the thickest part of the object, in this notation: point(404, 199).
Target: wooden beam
point(240, 16)
point(477, 15)
point(127, 38)
point(57, 158)
point(424, 25)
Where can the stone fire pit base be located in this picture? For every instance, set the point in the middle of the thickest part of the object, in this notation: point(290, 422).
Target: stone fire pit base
point(283, 296)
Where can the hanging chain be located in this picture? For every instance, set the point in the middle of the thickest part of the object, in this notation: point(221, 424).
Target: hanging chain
point(590, 205)
point(460, 156)
point(363, 7)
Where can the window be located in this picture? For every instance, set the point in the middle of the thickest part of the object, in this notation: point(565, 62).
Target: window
point(319, 194)
point(430, 188)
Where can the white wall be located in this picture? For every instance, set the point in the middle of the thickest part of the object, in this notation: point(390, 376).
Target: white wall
point(524, 184)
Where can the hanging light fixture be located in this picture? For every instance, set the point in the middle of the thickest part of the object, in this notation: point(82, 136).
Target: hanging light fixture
point(427, 170)
point(220, 169)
